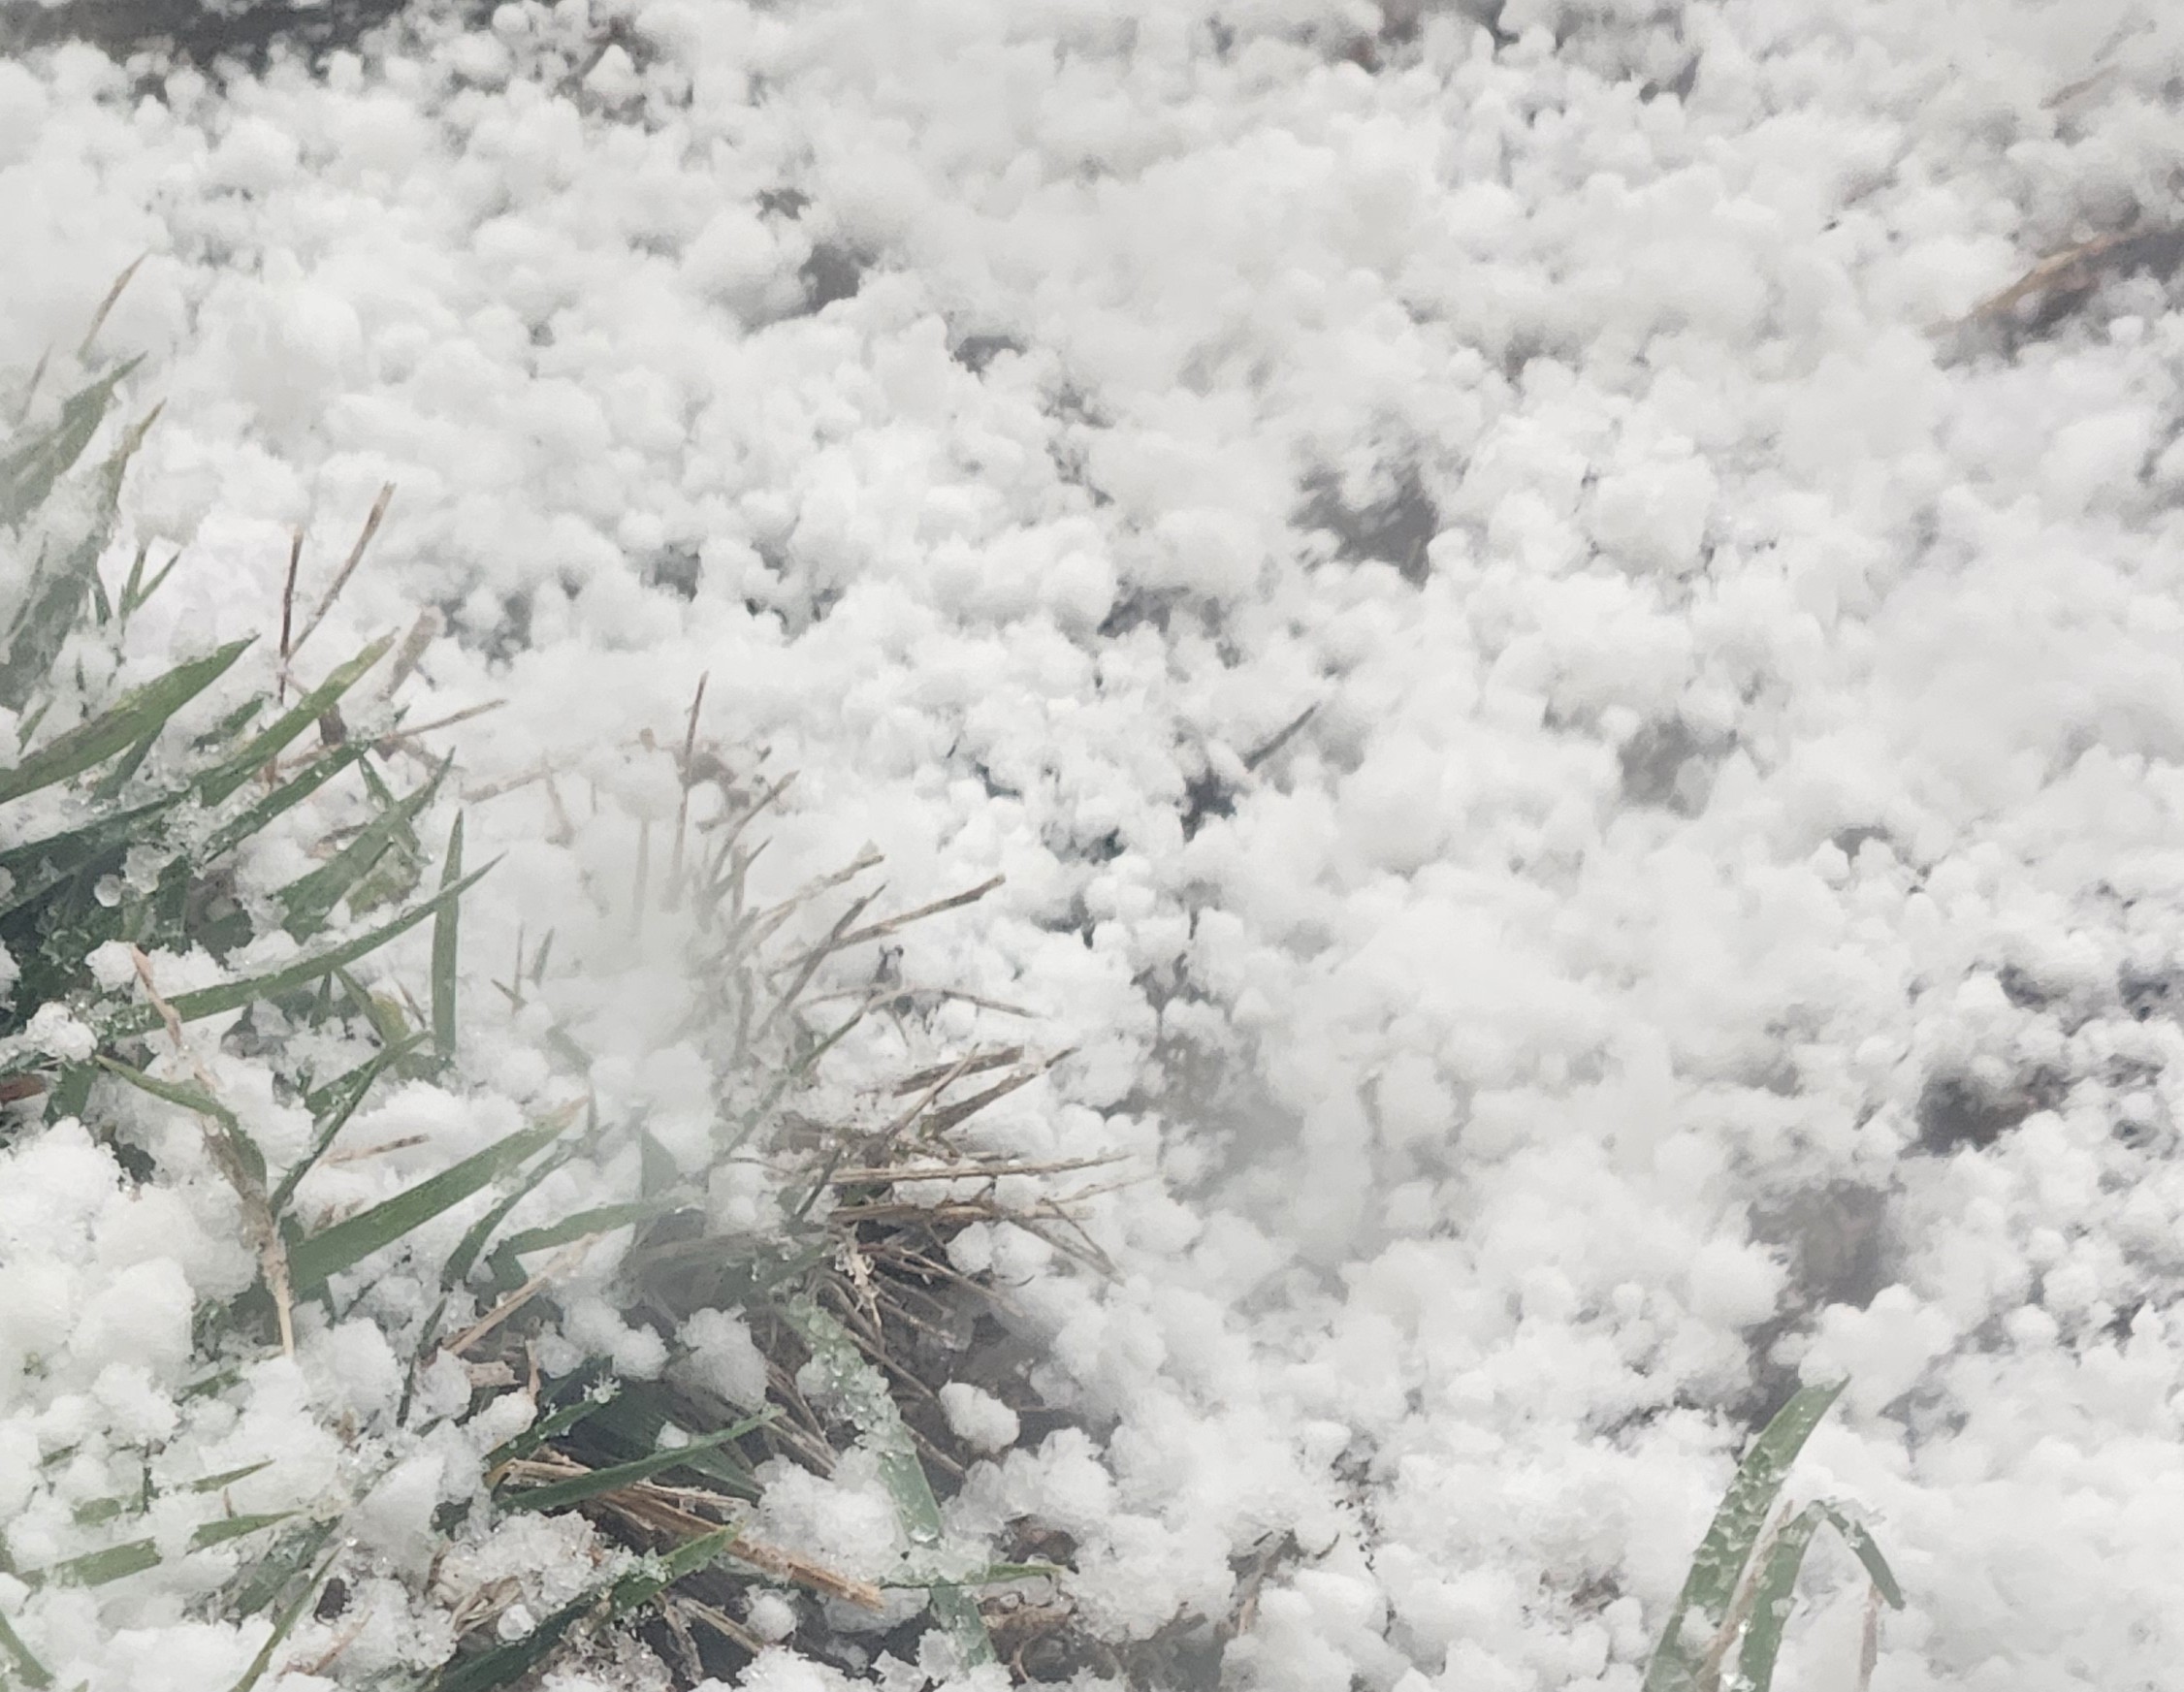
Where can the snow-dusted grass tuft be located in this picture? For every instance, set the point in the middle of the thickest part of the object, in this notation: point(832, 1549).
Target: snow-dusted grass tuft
point(198, 874)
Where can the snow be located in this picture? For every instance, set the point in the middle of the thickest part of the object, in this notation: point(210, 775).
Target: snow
point(978, 1418)
point(1762, 756)
point(724, 1358)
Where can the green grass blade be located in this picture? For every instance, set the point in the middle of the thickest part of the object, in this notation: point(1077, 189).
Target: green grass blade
point(137, 717)
point(287, 1622)
point(54, 604)
point(136, 577)
point(101, 1567)
point(687, 1559)
point(631, 1422)
point(138, 593)
point(506, 1664)
point(48, 861)
point(465, 1257)
point(318, 1258)
point(1862, 1546)
point(385, 1016)
point(283, 798)
point(118, 1562)
point(27, 474)
point(221, 781)
point(560, 1494)
point(269, 1577)
point(195, 1099)
point(229, 1477)
point(445, 942)
point(355, 1085)
point(1772, 1599)
point(33, 1672)
point(1000, 1574)
point(229, 726)
point(307, 900)
point(1720, 1563)
point(466, 1254)
point(97, 1509)
point(229, 1527)
point(301, 973)
point(549, 1427)
point(605, 1219)
point(863, 1390)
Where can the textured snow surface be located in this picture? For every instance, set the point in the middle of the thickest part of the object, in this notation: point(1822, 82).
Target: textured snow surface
point(1723, 917)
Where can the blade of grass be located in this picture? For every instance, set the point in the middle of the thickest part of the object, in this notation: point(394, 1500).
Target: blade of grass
point(283, 798)
point(287, 1622)
point(228, 1478)
point(357, 1084)
point(318, 1258)
point(248, 1157)
point(307, 900)
point(137, 717)
point(137, 593)
point(28, 474)
point(504, 1664)
point(34, 1672)
point(216, 785)
point(549, 1427)
point(560, 1494)
point(465, 1257)
point(445, 942)
point(603, 1220)
point(281, 1564)
point(99, 1568)
point(1772, 1600)
point(371, 522)
point(631, 1422)
point(384, 1015)
point(1862, 1546)
point(102, 1568)
point(862, 1391)
point(1717, 1568)
point(106, 305)
point(55, 603)
point(301, 973)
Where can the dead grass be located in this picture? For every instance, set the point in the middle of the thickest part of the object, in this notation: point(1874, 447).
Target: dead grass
point(2063, 283)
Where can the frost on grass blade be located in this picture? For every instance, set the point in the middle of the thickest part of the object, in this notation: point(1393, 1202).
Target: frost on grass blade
point(1710, 1590)
point(862, 1393)
point(101, 1568)
point(1771, 1596)
point(507, 1663)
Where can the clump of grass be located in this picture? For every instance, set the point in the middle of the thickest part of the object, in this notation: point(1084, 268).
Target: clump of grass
point(123, 832)
point(833, 1281)
point(1738, 1595)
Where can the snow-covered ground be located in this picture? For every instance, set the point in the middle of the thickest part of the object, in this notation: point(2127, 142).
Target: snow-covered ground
point(1719, 919)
